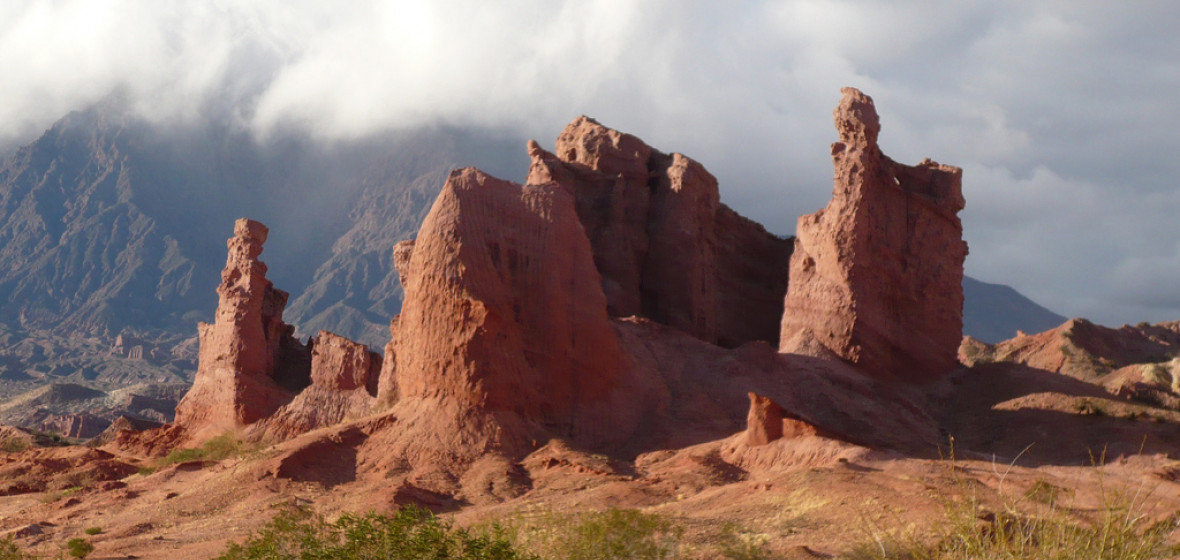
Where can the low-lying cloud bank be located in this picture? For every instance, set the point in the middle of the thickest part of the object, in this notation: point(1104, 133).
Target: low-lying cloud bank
point(1062, 116)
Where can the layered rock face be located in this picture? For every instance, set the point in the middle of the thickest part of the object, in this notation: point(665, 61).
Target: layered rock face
point(504, 324)
point(249, 364)
point(343, 385)
point(666, 247)
point(876, 276)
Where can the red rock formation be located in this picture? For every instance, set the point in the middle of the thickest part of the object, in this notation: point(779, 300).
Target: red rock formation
point(343, 385)
point(84, 425)
point(767, 421)
point(764, 423)
point(249, 364)
point(401, 259)
point(504, 333)
point(666, 247)
point(876, 276)
point(1079, 348)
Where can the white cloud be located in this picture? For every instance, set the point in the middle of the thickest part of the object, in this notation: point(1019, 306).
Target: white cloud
point(1062, 114)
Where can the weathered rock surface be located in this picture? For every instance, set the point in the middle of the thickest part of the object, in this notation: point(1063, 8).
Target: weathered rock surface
point(666, 247)
point(1080, 349)
point(504, 334)
point(343, 386)
point(249, 364)
point(506, 339)
point(764, 423)
point(82, 425)
point(876, 276)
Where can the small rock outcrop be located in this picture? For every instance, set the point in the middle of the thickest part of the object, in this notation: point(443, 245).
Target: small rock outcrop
point(343, 385)
point(767, 422)
point(249, 363)
point(877, 275)
point(764, 423)
point(665, 245)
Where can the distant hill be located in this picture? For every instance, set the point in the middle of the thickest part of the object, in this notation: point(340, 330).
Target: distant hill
point(110, 225)
point(994, 312)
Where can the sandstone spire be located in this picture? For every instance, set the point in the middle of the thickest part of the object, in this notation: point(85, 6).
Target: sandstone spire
point(877, 275)
point(236, 382)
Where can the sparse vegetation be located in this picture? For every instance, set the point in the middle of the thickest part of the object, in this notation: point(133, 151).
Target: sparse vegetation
point(79, 547)
point(93, 531)
point(9, 551)
point(1045, 493)
point(605, 535)
point(1043, 529)
point(14, 445)
point(736, 544)
point(216, 449)
point(411, 533)
point(1090, 408)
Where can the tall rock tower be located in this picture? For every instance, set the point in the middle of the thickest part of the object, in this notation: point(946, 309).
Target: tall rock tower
point(876, 277)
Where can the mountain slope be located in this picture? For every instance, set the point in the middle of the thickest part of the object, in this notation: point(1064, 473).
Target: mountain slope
point(108, 224)
point(994, 312)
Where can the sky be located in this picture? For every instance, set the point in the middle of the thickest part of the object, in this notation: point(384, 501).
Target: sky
point(1063, 115)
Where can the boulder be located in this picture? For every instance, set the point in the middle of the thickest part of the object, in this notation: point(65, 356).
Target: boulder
point(876, 276)
point(764, 423)
point(767, 422)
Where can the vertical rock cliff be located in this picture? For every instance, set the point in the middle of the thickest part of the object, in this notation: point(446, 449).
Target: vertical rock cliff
point(877, 275)
point(249, 364)
point(667, 248)
point(504, 334)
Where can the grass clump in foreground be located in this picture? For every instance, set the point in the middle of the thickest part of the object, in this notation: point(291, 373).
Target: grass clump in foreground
point(9, 550)
point(1044, 530)
point(604, 535)
point(410, 534)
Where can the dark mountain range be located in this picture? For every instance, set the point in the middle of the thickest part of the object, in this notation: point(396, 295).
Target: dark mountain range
point(994, 312)
point(109, 225)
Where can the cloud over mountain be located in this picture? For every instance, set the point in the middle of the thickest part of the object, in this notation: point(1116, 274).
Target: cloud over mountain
point(1062, 116)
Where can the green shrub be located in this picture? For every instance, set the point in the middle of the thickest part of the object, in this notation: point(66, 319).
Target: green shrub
point(14, 445)
point(736, 544)
point(221, 447)
point(410, 534)
point(93, 530)
point(79, 547)
point(9, 551)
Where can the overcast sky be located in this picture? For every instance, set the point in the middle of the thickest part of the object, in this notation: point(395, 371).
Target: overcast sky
point(1063, 115)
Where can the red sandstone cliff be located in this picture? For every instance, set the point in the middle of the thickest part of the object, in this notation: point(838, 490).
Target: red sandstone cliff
point(504, 335)
point(252, 373)
point(877, 275)
point(666, 247)
point(343, 386)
